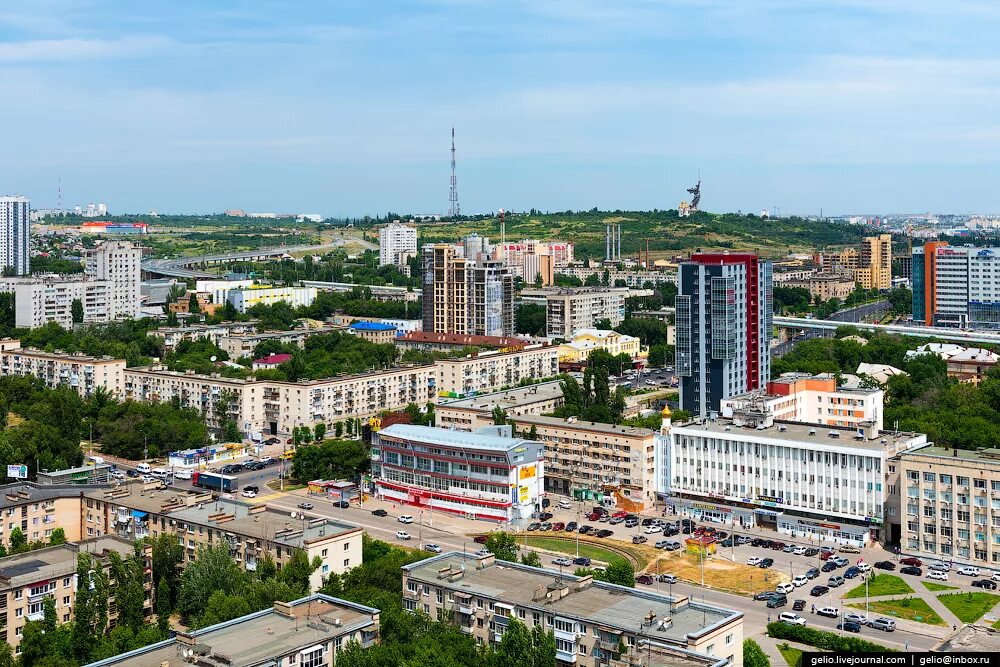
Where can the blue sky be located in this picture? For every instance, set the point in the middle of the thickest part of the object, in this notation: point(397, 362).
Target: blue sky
point(345, 107)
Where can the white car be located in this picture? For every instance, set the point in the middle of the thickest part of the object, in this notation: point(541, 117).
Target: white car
point(852, 617)
point(937, 574)
point(653, 529)
point(791, 619)
point(863, 566)
point(941, 567)
point(405, 518)
point(800, 580)
point(402, 535)
point(565, 505)
point(117, 474)
point(785, 588)
point(249, 493)
point(434, 548)
point(968, 571)
point(562, 562)
point(182, 474)
point(484, 552)
point(829, 612)
point(996, 576)
point(799, 551)
point(754, 560)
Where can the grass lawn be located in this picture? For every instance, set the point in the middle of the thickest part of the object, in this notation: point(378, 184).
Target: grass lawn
point(969, 607)
point(996, 626)
point(935, 586)
point(883, 584)
point(913, 609)
point(275, 485)
point(586, 549)
point(792, 656)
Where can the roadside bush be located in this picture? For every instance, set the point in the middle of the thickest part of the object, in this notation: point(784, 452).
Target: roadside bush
point(827, 641)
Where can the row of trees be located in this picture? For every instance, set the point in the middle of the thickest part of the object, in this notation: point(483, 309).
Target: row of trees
point(594, 401)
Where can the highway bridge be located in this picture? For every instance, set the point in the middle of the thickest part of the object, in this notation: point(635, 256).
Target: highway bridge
point(182, 267)
point(942, 333)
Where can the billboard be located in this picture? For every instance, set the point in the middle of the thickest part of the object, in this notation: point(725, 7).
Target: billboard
point(527, 472)
point(17, 471)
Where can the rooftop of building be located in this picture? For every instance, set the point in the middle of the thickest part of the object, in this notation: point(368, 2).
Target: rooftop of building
point(215, 377)
point(979, 456)
point(460, 339)
point(571, 291)
point(543, 391)
point(593, 602)
point(273, 359)
point(76, 357)
point(791, 378)
point(521, 348)
point(798, 433)
point(450, 438)
point(258, 638)
point(19, 493)
point(58, 561)
point(205, 327)
point(290, 333)
point(601, 334)
point(580, 425)
point(971, 638)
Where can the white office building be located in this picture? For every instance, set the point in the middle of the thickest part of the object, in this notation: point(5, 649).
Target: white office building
point(396, 244)
point(14, 232)
point(803, 480)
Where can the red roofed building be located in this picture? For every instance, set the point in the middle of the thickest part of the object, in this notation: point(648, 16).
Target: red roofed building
point(272, 361)
point(443, 342)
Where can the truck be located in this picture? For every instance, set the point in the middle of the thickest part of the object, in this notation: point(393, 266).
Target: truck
point(214, 481)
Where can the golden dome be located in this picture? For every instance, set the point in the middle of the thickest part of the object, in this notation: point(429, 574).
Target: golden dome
point(666, 411)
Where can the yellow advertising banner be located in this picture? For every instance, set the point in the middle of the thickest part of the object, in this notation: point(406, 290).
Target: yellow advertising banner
point(522, 493)
point(527, 472)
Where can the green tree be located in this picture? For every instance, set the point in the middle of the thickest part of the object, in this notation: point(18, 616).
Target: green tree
point(320, 431)
point(297, 570)
point(193, 306)
point(620, 571)
point(222, 607)
point(212, 570)
point(91, 607)
point(76, 311)
point(753, 655)
point(331, 459)
point(499, 416)
point(503, 545)
point(531, 558)
point(58, 537)
point(127, 576)
point(168, 556)
point(529, 318)
point(18, 542)
point(164, 606)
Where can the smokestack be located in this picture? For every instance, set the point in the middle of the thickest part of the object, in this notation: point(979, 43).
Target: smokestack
point(619, 242)
point(607, 241)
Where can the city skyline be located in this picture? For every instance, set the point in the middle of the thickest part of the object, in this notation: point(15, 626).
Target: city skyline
point(347, 111)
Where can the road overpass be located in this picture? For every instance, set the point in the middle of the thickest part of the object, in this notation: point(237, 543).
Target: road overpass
point(181, 267)
point(942, 333)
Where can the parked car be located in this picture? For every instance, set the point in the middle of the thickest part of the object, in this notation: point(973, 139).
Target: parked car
point(653, 529)
point(631, 523)
point(584, 530)
point(941, 567)
point(668, 579)
point(673, 546)
point(937, 574)
point(788, 548)
point(791, 618)
point(864, 567)
point(305, 506)
point(851, 572)
point(565, 505)
point(639, 539)
point(534, 525)
point(825, 555)
point(828, 567)
point(829, 612)
point(645, 579)
point(545, 516)
point(402, 535)
point(615, 520)
point(812, 573)
point(764, 595)
point(434, 548)
point(854, 617)
point(480, 539)
point(968, 571)
point(571, 526)
point(661, 544)
point(766, 563)
point(884, 565)
point(562, 562)
point(405, 518)
point(812, 551)
point(777, 600)
point(841, 561)
point(778, 546)
point(754, 560)
point(985, 584)
point(909, 569)
point(849, 549)
point(911, 561)
point(996, 576)
point(800, 580)
point(183, 474)
point(604, 533)
point(117, 474)
point(835, 581)
point(558, 526)
point(799, 550)
point(785, 588)
point(883, 624)
point(380, 513)
point(545, 526)
point(817, 591)
point(799, 605)
point(848, 626)
point(581, 560)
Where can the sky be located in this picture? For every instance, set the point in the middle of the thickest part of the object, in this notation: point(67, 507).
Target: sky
point(345, 107)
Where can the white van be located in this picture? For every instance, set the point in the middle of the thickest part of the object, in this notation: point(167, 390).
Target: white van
point(160, 473)
point(143, 468)
point(785, 588)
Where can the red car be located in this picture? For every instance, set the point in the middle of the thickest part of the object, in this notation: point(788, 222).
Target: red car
point(480, 539)
point(620, 514)
point(645, 579)
point(778, 546)
point(559, 526)
point(825, 555)
point(911, 561)
point(594, 516)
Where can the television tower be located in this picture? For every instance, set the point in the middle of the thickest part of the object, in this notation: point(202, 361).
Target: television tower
point(453, 209)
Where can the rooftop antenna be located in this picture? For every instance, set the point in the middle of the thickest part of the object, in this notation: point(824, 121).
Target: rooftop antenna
point(453, 208)
point(59, 195)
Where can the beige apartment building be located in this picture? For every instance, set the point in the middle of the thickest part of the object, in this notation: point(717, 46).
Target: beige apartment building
point(825, 286)
point(875, 269)
point(949, 505)
point(595, 624)
point(583, 458)
point(487, 372)
point(173, 336)
point(308, 632)
point(39, 510)
point(78, 371)
point(27, 579)
point(569, 309)
point(446, 290)
point(243, 345)
point(469, 414)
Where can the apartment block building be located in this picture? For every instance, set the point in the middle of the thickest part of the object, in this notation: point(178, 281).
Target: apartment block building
point(487, 474)
point(396, 244)
point(250, 531)
point(15, 232)
point(39, 510)
point(588, 458)
point(49, 298)
point(723, 316)
point(445, 290)
point(246, 298)
point(949, 505)
point(216, 333)
point(119, 263)
point(238, 345)
point(803, 480)
point(595, 624)
point(825, 286)
point(813, 399)
point(308, 632)
point(631, 277)
point(491, 299)
point(875, 267)
point(447, 342)
point(27, 579)
point(569, 309)
point(486, 372)
point(469, 414)
point(77, 371)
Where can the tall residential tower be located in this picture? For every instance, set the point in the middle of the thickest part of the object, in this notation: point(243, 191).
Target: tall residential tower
point(14, 231)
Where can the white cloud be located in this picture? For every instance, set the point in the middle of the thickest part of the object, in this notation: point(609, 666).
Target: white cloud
point(62, 50)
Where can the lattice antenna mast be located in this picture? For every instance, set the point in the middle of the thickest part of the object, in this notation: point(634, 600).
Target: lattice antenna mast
point(453, 208)
point(503, 237)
